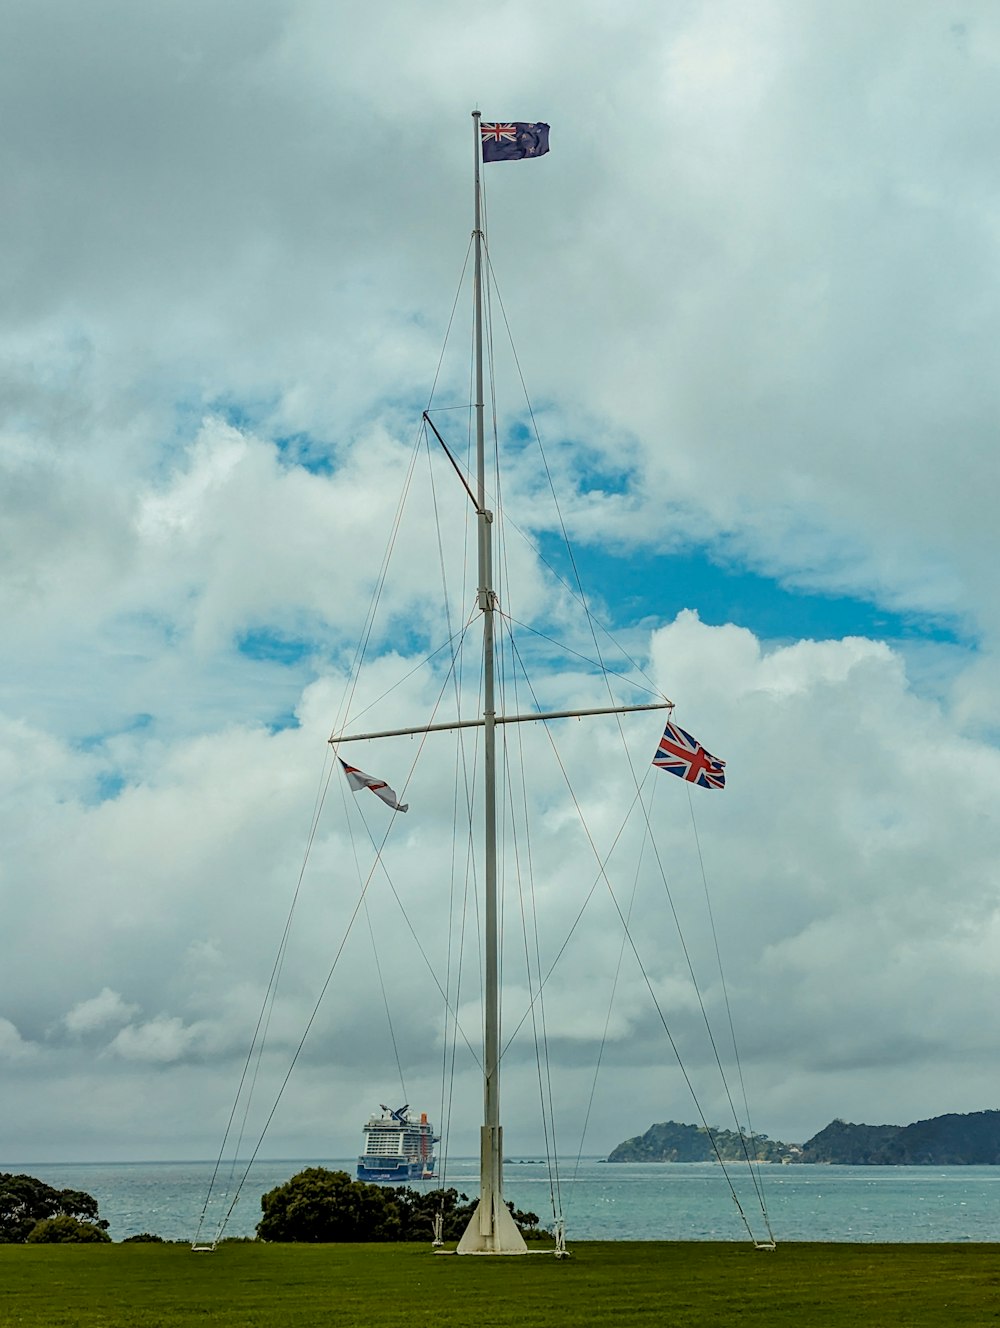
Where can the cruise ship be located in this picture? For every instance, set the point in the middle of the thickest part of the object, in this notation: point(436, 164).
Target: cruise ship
point(397, 1148)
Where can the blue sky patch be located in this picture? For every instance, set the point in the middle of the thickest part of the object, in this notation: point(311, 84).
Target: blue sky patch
point(286, 720)
point(659, 586)
point(245, 415)
point(301, 449)
point(109, 784)
point(274, 647)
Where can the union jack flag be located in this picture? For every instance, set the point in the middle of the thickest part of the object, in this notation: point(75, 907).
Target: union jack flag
point(683, 755)
point(497, 133)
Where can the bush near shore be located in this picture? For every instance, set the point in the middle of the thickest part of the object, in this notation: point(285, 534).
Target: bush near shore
point(319, 1205)
point(32, 1211)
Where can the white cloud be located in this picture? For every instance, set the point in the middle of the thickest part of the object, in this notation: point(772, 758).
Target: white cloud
point(13, 1048)
point(831, 862)
point(160, 1040)
point(106, 1009)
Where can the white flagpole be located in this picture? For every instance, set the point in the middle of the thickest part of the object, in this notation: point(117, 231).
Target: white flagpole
point(491, 1229)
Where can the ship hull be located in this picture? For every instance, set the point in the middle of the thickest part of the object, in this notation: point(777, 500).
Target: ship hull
point(388, 1171)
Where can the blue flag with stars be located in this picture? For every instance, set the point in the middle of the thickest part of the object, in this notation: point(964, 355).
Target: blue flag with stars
point(513, 141)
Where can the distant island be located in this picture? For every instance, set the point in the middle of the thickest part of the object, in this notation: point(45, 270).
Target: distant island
point(972, 1139)
point(673, 1142)
point(943, 1141)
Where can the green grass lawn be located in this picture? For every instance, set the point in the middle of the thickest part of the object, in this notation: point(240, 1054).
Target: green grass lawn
point(671, 1285)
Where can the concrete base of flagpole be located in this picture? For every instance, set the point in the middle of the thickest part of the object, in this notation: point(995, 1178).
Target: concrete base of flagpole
point(505, 1237)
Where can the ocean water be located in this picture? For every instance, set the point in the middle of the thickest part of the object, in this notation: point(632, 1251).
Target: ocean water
point(599, 1201)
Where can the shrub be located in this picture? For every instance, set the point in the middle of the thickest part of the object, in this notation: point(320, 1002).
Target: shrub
point(323, 1206)
point(66, 1230)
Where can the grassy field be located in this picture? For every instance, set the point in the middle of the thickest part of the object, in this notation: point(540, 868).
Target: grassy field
point(675, 1285)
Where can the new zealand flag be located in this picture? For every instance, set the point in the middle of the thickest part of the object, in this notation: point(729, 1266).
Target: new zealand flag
point(683, 755)
point(514, 141)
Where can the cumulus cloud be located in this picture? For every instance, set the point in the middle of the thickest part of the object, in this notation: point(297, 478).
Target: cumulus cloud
point(160, 1040)
point(105, 1010)
point(12, 1046)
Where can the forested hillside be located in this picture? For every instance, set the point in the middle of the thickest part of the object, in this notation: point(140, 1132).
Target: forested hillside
point(953, 1140)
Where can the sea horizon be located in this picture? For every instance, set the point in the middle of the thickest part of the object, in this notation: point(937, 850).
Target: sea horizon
point(597, 1199)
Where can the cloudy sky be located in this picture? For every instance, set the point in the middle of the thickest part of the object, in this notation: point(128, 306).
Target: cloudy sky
point(753, 293)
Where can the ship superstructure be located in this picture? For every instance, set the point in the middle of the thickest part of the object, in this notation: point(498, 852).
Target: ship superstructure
point(397, 1148)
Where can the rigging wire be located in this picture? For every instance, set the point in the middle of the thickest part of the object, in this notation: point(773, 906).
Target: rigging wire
point(611, 1003)
point(567, 543)
point(380, 864)
point(385, 1003)
point(298, 1049)
point(755, 1171)
point(461, 767)
point(585, 659)
point(707, 1022)
point(361, 650)
point(362, 647)
point(267, 1006)
point(546, 1099)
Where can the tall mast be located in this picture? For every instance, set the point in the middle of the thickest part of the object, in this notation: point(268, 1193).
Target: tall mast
point(491, 1229)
